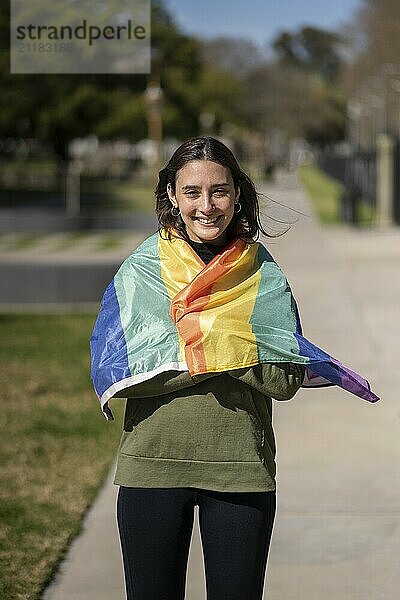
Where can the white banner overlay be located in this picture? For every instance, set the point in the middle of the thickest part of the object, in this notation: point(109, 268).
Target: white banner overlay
point(80, 36)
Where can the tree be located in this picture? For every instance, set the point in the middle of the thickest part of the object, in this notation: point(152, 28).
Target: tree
point(295, 93)
point(232, 55)
point(372, 74)
point(58, 108)
point(311, 49)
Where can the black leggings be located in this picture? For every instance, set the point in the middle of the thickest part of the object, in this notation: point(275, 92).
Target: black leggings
point(155, 527)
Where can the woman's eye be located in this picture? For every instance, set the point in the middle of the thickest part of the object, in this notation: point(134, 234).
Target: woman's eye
point(195, 193)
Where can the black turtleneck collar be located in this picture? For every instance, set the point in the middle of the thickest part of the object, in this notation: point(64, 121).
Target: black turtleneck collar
point(206, 251)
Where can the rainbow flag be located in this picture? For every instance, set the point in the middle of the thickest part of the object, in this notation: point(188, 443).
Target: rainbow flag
point(165, 310)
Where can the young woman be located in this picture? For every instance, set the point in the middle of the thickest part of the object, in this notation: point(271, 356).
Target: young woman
point(199, 331)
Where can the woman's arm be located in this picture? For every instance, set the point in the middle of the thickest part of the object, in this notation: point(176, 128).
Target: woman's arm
point(163, 383)
point(276, 380)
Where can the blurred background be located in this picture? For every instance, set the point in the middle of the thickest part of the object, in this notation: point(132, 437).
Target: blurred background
point(80, 153)
point(310, 89)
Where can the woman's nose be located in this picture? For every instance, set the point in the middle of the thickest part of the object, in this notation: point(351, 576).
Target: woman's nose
point(206, 204)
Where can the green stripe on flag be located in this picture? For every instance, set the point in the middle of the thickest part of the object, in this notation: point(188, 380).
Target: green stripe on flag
point(145, 316)
point(273, 314)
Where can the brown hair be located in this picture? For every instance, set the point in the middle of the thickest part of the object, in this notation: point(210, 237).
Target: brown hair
point(245, 224)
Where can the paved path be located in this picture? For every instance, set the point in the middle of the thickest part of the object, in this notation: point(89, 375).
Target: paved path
point(52, 271)
point(70, 248)
point(337, 532)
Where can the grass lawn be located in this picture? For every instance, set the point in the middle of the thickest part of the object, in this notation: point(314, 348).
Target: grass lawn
point(125, 195)
point(324, 192)
point(56, 446)
point(34, 183)
point(101, 195)
point(365, 214)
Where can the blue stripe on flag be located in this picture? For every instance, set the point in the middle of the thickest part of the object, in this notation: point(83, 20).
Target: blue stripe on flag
point(108, 345)
point(321, 363)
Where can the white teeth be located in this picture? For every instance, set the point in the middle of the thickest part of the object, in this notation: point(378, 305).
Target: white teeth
point(207, 221)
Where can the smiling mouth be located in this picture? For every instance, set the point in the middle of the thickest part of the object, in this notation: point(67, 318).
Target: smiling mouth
point(204, 221)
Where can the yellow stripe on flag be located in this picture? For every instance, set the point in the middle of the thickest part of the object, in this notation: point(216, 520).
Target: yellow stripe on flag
point(228, 313)
point(179, 266)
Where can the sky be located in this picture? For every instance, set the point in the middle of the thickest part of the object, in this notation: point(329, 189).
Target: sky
point(259, 20)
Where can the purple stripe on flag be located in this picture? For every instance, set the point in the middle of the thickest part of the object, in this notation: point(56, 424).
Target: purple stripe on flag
point(333, 371)
point(354, 383)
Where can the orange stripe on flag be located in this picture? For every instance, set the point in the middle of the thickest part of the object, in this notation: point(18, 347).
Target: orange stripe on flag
point(192, 300)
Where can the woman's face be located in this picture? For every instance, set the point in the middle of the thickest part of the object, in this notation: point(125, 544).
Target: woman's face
point(205, 196)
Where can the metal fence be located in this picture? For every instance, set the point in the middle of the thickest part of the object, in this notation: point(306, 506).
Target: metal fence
point(396, 199)
point(357, 172)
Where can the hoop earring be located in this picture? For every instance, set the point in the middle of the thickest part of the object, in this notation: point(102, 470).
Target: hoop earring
point(238, 207)
point(176, 213)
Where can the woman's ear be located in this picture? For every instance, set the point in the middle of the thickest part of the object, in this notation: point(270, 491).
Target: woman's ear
point(237, 194)
point(171, 194)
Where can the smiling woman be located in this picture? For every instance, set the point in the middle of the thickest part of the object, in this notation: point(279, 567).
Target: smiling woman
point(204, 195)
point(197, 429)
point(205, 198)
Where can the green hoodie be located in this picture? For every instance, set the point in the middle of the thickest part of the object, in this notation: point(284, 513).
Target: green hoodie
point(211, 431)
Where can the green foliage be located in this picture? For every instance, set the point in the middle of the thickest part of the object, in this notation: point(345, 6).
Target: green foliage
point(227, 78)
point(221, 94)
point(72, 115)
point(308, 102)
point(58, 108)
point(125, 117)
point(326, 120)
point(310, 49)
point(297, 102)
point(238, 56)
